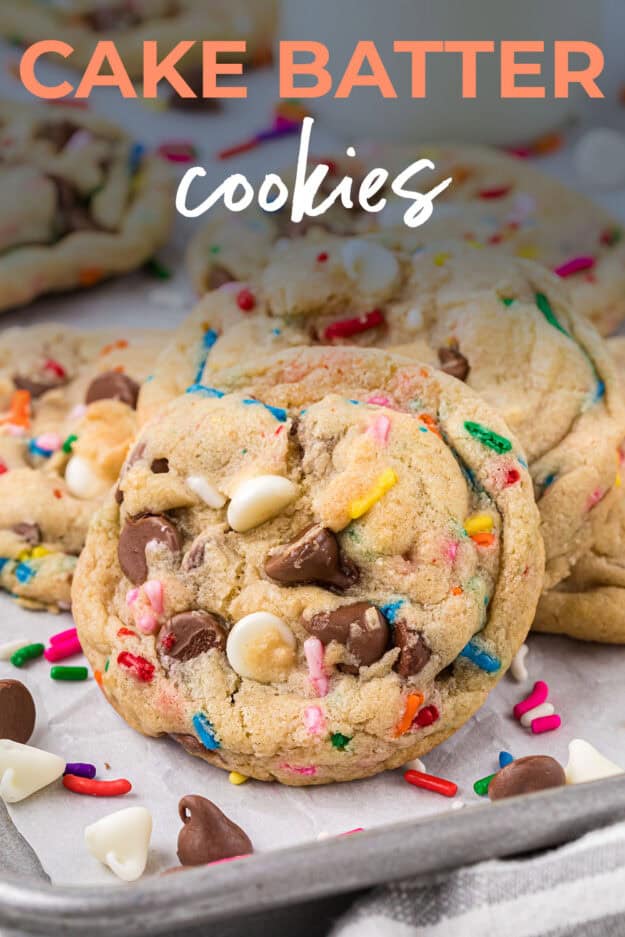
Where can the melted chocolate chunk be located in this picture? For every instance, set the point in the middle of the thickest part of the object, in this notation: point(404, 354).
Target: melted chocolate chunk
point(312, 556)
point(208, 835)
point(525, 775)
point(454, 363)
point(111, 385)
point(193, 633)
point(195, 557)
point(361, 627)
point(36, 388)
point(160, 466)
point(414, 651)
point(134, 538)
point(31, 533)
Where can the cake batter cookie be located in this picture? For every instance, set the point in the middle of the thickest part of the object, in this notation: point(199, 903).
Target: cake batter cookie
point(83, 23)
point(495, 200)
point(67, 418)
point(504, 326)
point(81, 202)
point(590, 603)
point(315, 590)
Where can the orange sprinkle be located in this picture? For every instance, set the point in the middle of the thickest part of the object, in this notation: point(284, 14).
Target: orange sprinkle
point(549, 143)
point(120, 343)
point(57, 493)
point(19, 414)
point(457, 591)
point(483, 540)
point(119, 369)
point(90, 276)
point(431, 424)
point(413, 703)
point(97, 676)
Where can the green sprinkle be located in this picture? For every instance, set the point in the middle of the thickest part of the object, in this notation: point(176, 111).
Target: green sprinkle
point(488, 437)
point(340, 741)
point(30, 652)
point(107, 664)
point(68, 445)
point(156, 269)
point(545, 307)
point(507, 300)
point(481, 787)
point(73, 674)
point(215, 249)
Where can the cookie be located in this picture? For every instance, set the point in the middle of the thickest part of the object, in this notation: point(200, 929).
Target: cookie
point(504, 326)
point(590, 603)
point(81, 201)
point(495, 201)
point(67, 418)
point(314, 592)
point(83, 23)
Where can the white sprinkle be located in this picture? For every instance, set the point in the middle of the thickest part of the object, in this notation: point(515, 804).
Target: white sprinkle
point(207, 492)
point(414, 318)
point(8, 650)
point(518, 670)
point(457, 803)
point(545, 709)
point(415, 765)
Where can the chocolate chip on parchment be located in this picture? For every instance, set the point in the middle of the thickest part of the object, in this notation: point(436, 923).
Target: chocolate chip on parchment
point(414, 652)
point(312, 556)
point(361, 627)
point(160, 466)
point(137, 533)
point(208, 835)
point(526, 775)
point(454, 363)
point(111, 385)
point(31, 533)
point(17, 711)
point(192, 633)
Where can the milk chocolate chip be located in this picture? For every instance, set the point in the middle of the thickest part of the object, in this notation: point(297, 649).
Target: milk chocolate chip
point(454, 363)
point(36, 388)
point(313, 556)
point(192, 633)
point(208, 835)
point(31, 533)
point(111, 385)
point(414, 651)
point(361, 627)
point(534, 773)
point(134, 538)
point(17, 711)
point(160, 466)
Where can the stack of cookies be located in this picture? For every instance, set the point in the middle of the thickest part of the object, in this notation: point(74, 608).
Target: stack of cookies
point(309, 531)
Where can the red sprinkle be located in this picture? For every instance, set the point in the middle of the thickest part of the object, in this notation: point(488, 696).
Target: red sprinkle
point(51, 365)
point(496, 192)
point(139, 667)
point(323, 257)
point(3, 469)
point(168, 641)
point(512, 477)
point(576, 265)
point(246, 301)
point(427, 716)
point(126, 633)
point(96, 788)
point(345, 328)
point(431, 783)
point(177, 151)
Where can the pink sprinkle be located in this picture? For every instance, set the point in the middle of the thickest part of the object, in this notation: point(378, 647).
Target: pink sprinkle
point(79, 140)
point(243, 855)
point(594, 499)
point(357, 829)
point(307, 771)
point(14, 430)
point(451, 550)
point(147, 623)
point(380, 430)
point(379, 401)
point(49, 442)
point(63, 649)
point(63, 636)
point(78, 412)
point(314, 720)
point(537, 697)
point(177, 151)
point(154, 591)
point(576, 265)
point(546, 724)
point(131, 596)
point(314, 653)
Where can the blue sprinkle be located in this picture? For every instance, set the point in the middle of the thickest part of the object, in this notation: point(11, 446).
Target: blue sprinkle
point(423, 429)
point(390, 611)
point(3, 562)
point(34, 449)
point(356, 403)
point(522, 462)
point(549, 480)
point(24, 573)
point(205, 732)
point(480, 658)
point(599, 391)
point(149, 379)
point(208, 340)
point(505, 759)
point(135, 157)
point(278, 412)
point(276, 331)
point(204, 391)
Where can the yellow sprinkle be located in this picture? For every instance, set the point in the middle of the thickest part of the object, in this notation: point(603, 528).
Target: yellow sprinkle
point(479, 524)
point(476, 244)
point(529, 252)
point(385, 482)
point(24, 555)
point(38, 552)
point(235, 778)
point(441, 259)
point(618, 481)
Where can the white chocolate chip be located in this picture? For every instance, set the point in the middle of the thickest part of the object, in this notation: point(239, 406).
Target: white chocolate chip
point(25, 770)
point(371, 266)
point(600, 158)
point(82, 481)
point(518, 670)
point(258, 500)
point(545, 709)
point(8, 650)
point(121, 841)
point(587, 764)
point(207, 492)
point(261, 647)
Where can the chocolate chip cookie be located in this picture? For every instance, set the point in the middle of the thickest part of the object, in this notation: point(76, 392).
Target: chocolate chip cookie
point(67, 417)
point(495, 201)
point(318, 586)
point(81, 202)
